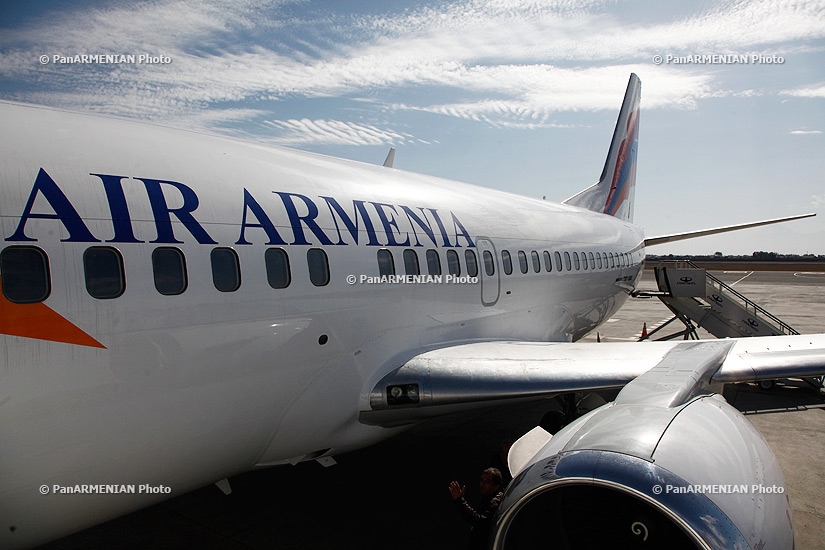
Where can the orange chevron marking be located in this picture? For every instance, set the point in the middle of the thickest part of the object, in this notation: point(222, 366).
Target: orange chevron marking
point(41, 322)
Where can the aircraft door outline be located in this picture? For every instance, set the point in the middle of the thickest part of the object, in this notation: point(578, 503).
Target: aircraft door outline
point(490, 283)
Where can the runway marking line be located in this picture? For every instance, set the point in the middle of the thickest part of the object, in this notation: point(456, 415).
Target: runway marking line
point(743, 278)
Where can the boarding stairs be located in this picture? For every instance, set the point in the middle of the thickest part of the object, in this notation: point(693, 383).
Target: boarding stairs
point(698, 299)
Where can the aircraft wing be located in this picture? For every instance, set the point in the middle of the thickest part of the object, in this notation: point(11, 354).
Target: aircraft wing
point(477, 374)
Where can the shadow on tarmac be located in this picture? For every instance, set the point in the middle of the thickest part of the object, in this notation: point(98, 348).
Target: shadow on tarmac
point(391, 495)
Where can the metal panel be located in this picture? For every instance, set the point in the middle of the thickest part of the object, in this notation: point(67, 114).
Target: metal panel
point(685, 283)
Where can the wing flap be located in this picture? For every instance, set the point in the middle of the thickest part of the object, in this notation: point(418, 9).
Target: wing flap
point(772, 357)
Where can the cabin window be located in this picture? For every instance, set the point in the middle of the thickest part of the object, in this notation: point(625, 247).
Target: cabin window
point(522, 261)
point(584, 260)
point(433, 262)
point(226, 269)
point(103, 269)
point(25, 274)
point(169, 268)
point(536, 262)
point(277, 267)
point(506, 262)
point(472, 264)
point(592, 260)
point(548, 264)
point(567, 261)
point(604, 260)
point(576, 263)
point(612, 260)
point(557, 256)
point(318, 264)
point(453, 264)
point(411, 262)
point(386, 264)
point(489, 263)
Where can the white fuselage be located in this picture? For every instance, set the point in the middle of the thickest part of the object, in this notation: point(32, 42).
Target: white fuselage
point(194, 387)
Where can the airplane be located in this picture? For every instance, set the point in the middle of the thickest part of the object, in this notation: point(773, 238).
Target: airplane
point(179, 308)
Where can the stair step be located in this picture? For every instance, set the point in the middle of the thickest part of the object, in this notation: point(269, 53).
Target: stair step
point(720, 309)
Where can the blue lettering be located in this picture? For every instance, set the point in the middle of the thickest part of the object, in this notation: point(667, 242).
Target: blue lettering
point(63, 211)
point(389, 224)
point(428, 229)
point(440, 227)
point(161, 212)
point(359, 208)
point(121, 220)
point(462, 233)
point(250, 204)
point(357, 223)
point(309, 220)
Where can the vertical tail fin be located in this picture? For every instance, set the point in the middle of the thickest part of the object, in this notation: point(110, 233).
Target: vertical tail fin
point(614, 192)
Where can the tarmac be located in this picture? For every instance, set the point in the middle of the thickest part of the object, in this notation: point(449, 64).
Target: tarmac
point(394, 494)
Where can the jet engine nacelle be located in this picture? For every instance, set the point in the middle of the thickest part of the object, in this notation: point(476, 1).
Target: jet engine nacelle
point(639, 476)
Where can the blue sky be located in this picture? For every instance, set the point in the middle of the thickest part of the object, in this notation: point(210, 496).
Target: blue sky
point(518, 95)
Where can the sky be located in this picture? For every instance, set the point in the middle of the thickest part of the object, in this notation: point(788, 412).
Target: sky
point(517, 95)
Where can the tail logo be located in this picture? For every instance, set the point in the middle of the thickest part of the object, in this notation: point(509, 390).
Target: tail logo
point(624, 173)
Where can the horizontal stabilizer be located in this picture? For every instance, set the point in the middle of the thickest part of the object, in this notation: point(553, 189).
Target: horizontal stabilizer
point(705, 232)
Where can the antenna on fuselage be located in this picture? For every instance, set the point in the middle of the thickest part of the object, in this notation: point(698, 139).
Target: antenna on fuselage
point(390, 158)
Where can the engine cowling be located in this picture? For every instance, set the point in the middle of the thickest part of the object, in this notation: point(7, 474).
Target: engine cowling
point(637, 476)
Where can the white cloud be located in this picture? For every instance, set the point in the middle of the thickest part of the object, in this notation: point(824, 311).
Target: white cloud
point(531, 96)
point(813, 91)
point(335, 132)
point(159, 26)
point(511, 63)
point(805, 132)
point(527, 32)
